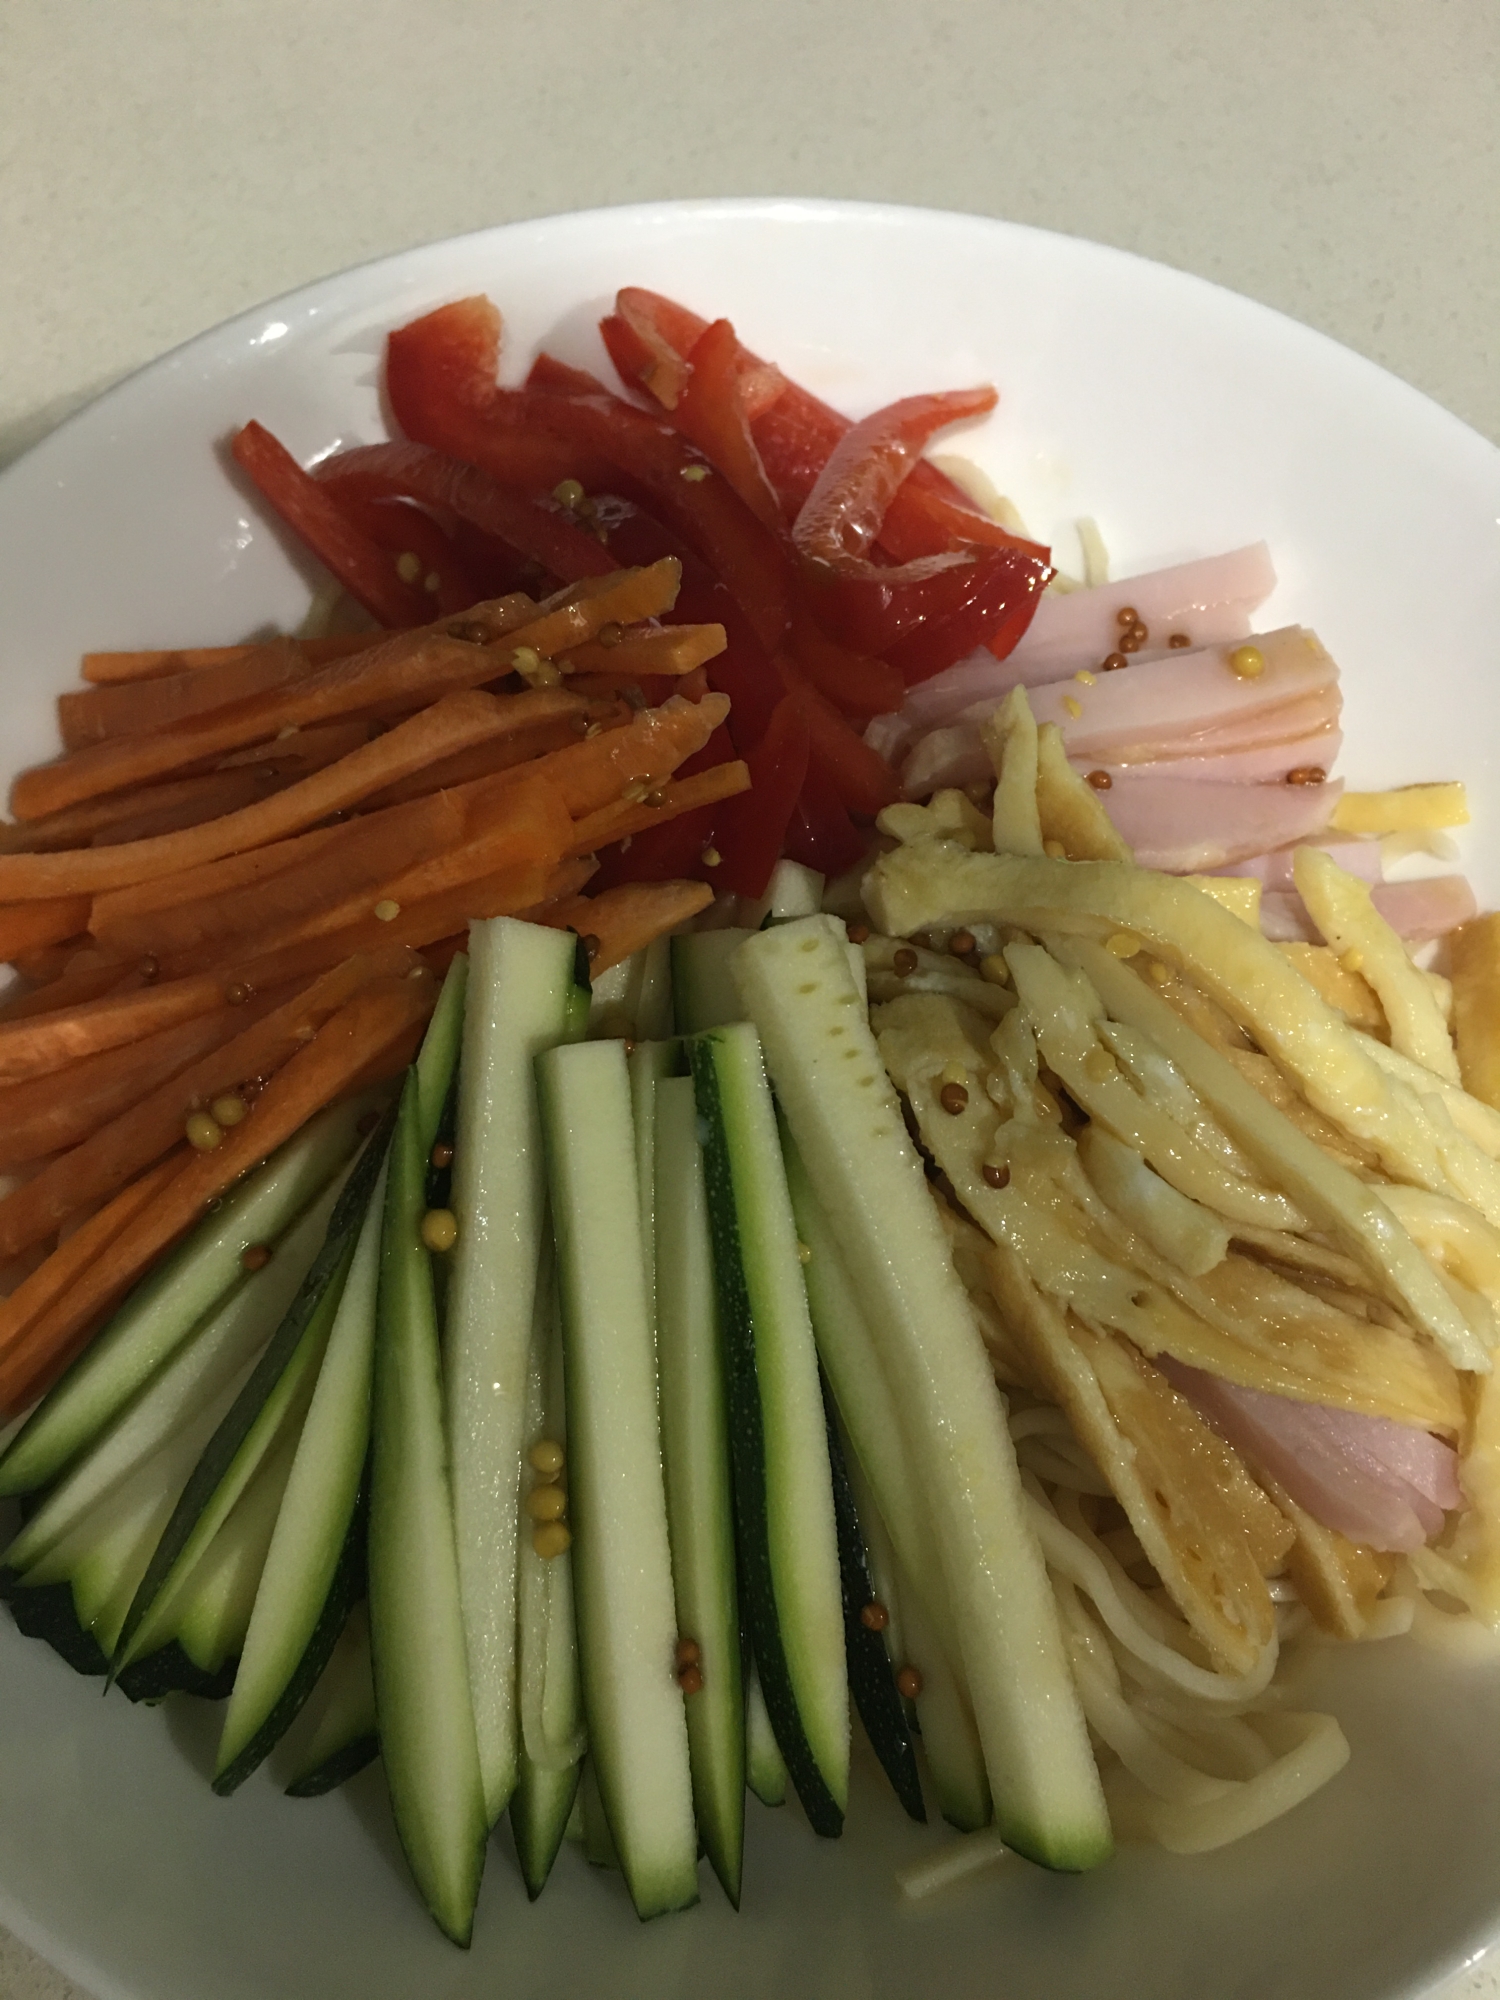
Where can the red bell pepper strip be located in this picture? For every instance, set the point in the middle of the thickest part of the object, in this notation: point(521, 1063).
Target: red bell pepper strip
point(842, 516)
point(856, 683)
point(367, 571)
point(544, 534)
point(841, 761)
point(752, 828)
point(822, 835)
point(1003, 588)
point(650, 338)
point(414, 540)
point(871, 609)
point(795, 432)
point(710, 413)
point(560, 378)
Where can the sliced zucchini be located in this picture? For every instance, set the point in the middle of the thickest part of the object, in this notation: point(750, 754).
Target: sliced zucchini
point(793, 891)
point(649, 1063)
point(704, 994)
point(426, 1716)
point(271, 1404)
point(550, 1690)
point(847, 1123)
point(339, 1720)
point(783, 1498)
point(524, 995)
point(765, 1767)
point(315, 1566)
point(171, 1299)
point(622, 1571)
point(872, 1679)
point(700, 1508)
point(202, 1376)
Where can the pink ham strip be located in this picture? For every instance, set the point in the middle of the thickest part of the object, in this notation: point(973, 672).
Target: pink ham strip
point(1255, 764)
point(1360, 858)
point(1381, 1483)
point(1167, 600)
point(1210, 601)
point(1192, 827)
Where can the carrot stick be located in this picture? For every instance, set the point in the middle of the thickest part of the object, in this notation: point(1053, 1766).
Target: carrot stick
point(624, 920)
point(39, 1043)
point(24, 926)
point(527, 826)
point(189, 800)
point(615, 822)
point(92, 715)
point(414, 666)
point(500, 754)
point(52, 1112)
point(323, 1069)
point(88, 975)
point(104, 669)
point(449, 725)
point(593, 773)
point(675, 649)
point(298, 876)
point(116, 910)
point(122, 1147)
point(48, 961)
point(51, 1279)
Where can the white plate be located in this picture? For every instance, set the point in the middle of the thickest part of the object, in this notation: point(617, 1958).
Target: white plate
point(1185, 420)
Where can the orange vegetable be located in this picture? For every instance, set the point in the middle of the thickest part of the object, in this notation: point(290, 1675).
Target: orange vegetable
point(105, 668)
point(344, 1050)
point(92, 715)
point(24, 926)
point(52, 1279)
point(596, 771)
point(124, 1145)
point(626, 919)
point(449, 725)
point(626, 817)
point(674, 649)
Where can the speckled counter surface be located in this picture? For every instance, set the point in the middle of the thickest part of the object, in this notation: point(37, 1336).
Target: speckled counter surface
point(165, 163)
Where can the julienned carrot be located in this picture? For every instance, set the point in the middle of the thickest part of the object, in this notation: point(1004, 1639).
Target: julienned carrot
point(344, 1049)
point(92, 715)
point(103, 669)
point(54, 1277)
point(451, 724)
point(616, 822)
point(197, 798)
point(122, 1147)
point(88, 975)
point(624, 920)
point(596, 771)
point(465, 840)
point(675, 649)
point(45, 962)
point(297, 753)
point(38, 1043)
point(225, 792)
point(420, 665)
point(502, 753)
point(51, 1112)
point(116, 910)
point(327, 865)
point(24, 926)
point(407, 669)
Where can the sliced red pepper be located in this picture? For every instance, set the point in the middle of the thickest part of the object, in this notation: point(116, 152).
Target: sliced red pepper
point(841, 760)
point(562, 379)
point(871, 609)
point(856, 683)
point(545, 535)
point(841, 517)
point(650, 338)
point(822, 835)
point(405, 532)
point(710, 413)
point(750, 833)
point(1004, 589)
point(366, 570)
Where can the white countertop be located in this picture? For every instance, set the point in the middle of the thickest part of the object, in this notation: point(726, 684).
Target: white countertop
point(165, 163)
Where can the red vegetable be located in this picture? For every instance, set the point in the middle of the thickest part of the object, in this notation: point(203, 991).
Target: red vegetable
point(842, 515)
point(751, 829)
point(710, 413)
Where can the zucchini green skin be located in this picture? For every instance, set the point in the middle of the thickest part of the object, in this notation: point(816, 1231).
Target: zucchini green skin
point(799, 989)
point(783, 1503)
point(523, 997)
point(700, 1505)
point(171, 1300)
point(425, 1712)
point(189, 1394)
point(622, 1572)
point(539, 1813)
point(316, 1562)
point(341, 1710)
point(273, 1397)
point(704, 994)
point(872, 1680)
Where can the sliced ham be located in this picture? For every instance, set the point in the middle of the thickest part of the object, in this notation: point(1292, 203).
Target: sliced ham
point(1166, 600)
point(1193, 828)
point(1254, 764)
point(1359, 858)
point(1381, 1483)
